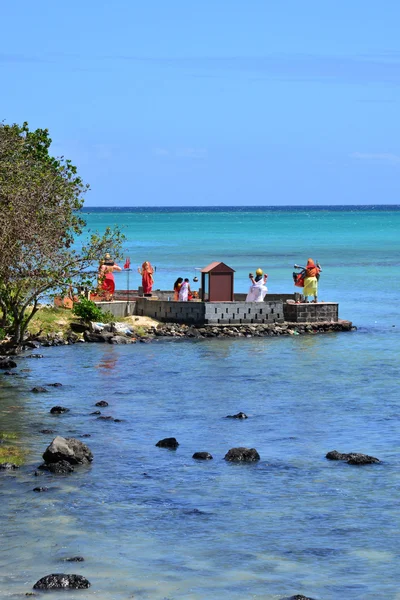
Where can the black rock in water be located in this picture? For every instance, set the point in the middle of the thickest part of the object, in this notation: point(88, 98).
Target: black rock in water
point(352, 458)
point(7, 363)
point(202, 456)
point(71, 450)
point(105, 418)
point(8, 466)
point(242, 455)
point(58, 410)
point(40, 489)
point(168, 443)
point(101, 403)
point(39, 390)
point(46, 431)
point(54, 384)
point(96, 412)
point(62, 581)
point(34, 356)
point(62, 467)
point(240, 415)
point(298, 597)
point(74, 559)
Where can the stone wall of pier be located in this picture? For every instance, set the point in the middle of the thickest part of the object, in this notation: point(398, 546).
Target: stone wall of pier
point(270, 311)
point(211, 313)
point(312, 313)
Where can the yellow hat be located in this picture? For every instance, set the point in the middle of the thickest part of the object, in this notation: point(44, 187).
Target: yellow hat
point(259, 272)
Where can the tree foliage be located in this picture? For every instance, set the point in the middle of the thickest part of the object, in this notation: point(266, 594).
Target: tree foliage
point(40, 219)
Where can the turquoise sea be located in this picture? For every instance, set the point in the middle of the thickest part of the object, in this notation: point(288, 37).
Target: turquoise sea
point(154, 524)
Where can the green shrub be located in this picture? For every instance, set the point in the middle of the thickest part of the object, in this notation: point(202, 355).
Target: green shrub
point(108, 317)
point(87, 310)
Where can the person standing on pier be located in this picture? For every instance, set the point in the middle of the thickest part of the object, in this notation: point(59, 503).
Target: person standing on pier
point(311, 278)
point(177, 287)
point(106, 277)
point(146, 271)
point(184, 291)
point(258, 288)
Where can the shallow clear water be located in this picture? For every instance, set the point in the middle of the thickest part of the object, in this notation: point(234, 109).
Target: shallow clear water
point(155, 524)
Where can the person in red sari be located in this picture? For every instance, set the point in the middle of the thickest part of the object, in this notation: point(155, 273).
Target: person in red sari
point(106, 277)
point(146, 271)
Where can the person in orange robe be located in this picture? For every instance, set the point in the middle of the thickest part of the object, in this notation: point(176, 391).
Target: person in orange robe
point(311, 277)
point(106, 277)
point(146, 271)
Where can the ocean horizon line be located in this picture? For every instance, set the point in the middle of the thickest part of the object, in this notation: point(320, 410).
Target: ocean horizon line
point(243, 208)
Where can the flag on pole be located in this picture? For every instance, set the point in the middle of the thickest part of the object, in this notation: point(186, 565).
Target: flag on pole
point(127, 263)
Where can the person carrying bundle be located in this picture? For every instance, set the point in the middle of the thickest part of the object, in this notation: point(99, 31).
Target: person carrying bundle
point(311, 277)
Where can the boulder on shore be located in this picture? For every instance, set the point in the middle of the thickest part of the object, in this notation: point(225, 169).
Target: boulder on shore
point(352, 458)
point(62, 581)
point(71, 450)
point(171, 443)
point(242, 455)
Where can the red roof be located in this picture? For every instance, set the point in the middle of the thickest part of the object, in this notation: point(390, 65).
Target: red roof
point(218, 267)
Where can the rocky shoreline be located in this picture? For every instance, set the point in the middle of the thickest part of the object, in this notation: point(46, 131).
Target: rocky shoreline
point(117, 333)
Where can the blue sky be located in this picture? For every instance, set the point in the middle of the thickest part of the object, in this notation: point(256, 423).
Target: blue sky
point(218, 102)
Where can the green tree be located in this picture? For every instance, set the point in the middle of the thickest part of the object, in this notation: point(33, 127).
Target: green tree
point(40, 201)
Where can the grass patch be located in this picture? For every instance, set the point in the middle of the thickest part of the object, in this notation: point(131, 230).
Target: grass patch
point(12, 454)
point(140, 331)
point(8, 436)
point(50, 319)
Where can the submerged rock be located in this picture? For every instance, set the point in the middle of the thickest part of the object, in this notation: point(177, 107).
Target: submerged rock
point(74, 559)
point(352, 458)
point(7, 363)
point(58, 410)
point(62, 467)
point(70, 450)
point(168, 443)
point(39, 390)
point(240, 415)
point(59, 581)
point(101, 403)
point(40, 489)
point(7, 466)
point(54, 384)
point(298, 597)
point(242, 455)
point(46, 431)
point(202, 456)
